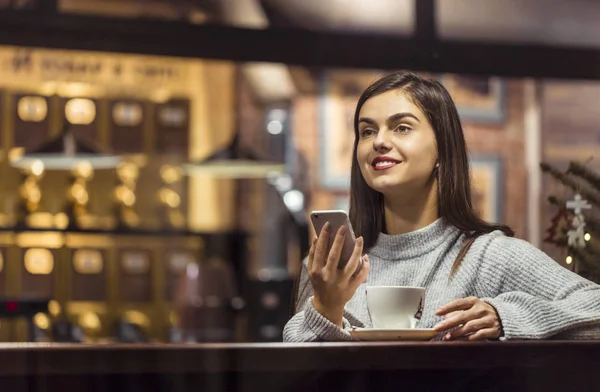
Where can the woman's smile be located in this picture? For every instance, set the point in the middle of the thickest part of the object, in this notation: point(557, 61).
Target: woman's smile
point(384, 163)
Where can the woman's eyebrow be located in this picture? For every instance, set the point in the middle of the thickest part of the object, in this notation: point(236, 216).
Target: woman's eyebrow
point(399, 116)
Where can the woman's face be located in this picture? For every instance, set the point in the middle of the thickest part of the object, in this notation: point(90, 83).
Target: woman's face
point(396, 144)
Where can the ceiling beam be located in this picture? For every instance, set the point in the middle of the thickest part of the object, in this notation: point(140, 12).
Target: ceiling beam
point(425, 23)
point(271, 82)
point(295, 46)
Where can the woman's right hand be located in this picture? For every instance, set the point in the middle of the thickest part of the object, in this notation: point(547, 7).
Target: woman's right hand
point(334, 287)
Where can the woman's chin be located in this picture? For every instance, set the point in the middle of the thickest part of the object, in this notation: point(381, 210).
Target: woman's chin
point(386, 185)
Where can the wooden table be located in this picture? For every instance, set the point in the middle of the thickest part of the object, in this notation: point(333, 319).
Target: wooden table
point(447, 366)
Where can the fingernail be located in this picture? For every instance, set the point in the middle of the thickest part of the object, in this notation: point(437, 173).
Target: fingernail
point(447, 337)
point(315, 240)
point(366, 258)
point(438, 326)
point(359, 241)
point(343, 230)
point(326, 227)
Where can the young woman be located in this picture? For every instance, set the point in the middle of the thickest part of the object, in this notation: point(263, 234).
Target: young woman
point(410, 206)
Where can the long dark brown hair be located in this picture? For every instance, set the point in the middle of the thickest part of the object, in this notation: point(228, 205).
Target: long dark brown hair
point(367, 212)
point(453, 175)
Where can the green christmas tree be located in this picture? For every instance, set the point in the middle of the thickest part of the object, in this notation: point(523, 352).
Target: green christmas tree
point(576, 225)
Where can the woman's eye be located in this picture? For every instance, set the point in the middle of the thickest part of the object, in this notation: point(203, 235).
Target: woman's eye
point(402, 128)
point(367, 132)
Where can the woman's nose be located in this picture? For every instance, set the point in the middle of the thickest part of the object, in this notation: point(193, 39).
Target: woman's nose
point(382, 141)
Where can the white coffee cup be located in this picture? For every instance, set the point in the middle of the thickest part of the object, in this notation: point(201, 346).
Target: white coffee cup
point(395, 307)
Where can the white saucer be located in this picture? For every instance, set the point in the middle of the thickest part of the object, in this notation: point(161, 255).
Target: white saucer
point(380, 334)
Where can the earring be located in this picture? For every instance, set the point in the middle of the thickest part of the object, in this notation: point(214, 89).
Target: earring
point(437, 165)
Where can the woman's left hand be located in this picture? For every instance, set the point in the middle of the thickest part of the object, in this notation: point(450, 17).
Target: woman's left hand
point(475, 319)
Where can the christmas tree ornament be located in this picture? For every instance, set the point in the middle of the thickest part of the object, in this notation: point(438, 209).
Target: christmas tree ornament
point(557, 232)
point(576, 236)
point(578, 204)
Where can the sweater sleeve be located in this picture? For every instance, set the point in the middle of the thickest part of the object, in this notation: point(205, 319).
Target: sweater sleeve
point(308, 325)
point(536, 298)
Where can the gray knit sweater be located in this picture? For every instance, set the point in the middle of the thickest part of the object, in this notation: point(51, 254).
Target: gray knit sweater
point(535, 297)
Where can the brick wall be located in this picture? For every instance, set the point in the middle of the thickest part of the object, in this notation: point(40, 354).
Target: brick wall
point(508, 142)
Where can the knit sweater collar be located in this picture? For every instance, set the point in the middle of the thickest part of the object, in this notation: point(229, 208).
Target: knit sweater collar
point(413, 244)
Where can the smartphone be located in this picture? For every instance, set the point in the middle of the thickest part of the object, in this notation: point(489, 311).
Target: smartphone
point(337, 219)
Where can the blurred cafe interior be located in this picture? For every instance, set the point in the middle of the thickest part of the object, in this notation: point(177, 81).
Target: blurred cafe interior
point(159, 158)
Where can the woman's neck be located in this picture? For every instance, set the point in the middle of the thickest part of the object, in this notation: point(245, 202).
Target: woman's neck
point(410, 212)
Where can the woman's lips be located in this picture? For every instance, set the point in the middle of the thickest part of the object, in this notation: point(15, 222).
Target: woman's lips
point(384, 163)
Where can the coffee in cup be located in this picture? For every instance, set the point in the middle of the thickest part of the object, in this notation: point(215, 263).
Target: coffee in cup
point(395, 307)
